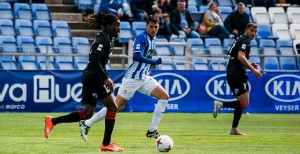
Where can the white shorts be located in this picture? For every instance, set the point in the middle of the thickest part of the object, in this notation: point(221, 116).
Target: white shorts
point(130, 86)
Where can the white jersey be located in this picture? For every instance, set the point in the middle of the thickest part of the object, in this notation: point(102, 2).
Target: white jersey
point(143, 44)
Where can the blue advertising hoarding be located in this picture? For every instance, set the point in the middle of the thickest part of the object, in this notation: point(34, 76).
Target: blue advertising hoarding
point(190, 91)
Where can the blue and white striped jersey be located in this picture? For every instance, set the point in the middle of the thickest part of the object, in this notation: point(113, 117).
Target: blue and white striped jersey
point(143, 44)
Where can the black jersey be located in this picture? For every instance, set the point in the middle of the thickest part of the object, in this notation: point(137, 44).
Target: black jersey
point(242, 43)
point(99, 55)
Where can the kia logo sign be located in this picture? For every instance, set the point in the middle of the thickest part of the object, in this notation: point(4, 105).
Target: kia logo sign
point(284, 88)
point(217, 88)
point(176, 85)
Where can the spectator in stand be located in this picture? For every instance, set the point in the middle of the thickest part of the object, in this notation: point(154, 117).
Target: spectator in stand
point(214, 24)
point(181, 21)
point(114, 7)
point(141, 9)
point(164, 5)
point(237, 21)
point(173, 4)
point(164, 28)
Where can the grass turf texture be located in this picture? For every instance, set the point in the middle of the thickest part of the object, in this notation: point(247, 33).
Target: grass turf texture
point(192, 133)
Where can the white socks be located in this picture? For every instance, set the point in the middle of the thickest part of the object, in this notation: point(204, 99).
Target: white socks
point(158, 113)
point(97, 117)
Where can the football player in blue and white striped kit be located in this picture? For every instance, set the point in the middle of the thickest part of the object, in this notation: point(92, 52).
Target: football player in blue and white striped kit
point(137, 79)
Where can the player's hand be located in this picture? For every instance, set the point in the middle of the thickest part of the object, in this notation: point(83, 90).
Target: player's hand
point(159, 61)
point(254, 65)
point(257, 73)
point(109, 84)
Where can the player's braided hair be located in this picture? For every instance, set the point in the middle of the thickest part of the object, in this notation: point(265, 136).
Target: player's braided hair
point(99, 20)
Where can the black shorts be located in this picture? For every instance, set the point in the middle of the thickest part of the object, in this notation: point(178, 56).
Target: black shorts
point(238, 84)
point(92, 91)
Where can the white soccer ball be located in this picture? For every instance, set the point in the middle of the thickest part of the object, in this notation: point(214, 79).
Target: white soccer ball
point(164, 143)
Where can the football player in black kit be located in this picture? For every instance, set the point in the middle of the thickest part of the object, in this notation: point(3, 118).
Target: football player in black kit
point(237, 77)
point(96, 82)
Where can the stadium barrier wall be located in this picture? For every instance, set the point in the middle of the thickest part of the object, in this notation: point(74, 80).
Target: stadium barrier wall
point(190, 91)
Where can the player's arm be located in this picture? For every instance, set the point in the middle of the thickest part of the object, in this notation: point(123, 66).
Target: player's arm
point(242, 58)
point(139, 46)
point(96, 52)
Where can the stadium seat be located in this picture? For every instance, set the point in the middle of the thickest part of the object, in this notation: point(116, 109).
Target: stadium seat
point(214, 47)
point(178, 50)
point(218, 66)
point(24, 27)
point(6, 11)
point(125, 32)
point(293, 14)
point(224, 11)
point(193, 2)
point(27, 63)
point(254, 50)
point(45, 45)
point(271, 63)
point(200, 64)
point(26, 44)
point(60, 28)
point(138, 27)
point(281, 31)
point(285, 47)
point(260, 15)
point(22, 11)
point(64, 63)
point(8, 63)
point(108, 66)
point(278, 15)
point(86, 4)
point(264, 31)
point(162, 50)
point(62, 45)
point(203, 8)
point(197, 46)
point(179, 62)
point(42, 28)
point(192, 8)
point(7, 28)
point(165, 66)
point(295, 31)
point(227, 43)
point(8, 44)
point(288, 63)
point(229, 3)
point(267, 47)
point(40, 11)
point(81, 45)
point(255, 59)
point(96, 8)
point(81, 62)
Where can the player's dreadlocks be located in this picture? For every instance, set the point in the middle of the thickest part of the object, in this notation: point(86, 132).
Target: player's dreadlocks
point(100, 20)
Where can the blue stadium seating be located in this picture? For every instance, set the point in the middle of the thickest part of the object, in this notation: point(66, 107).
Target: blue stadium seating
point(225, 2)
point(214, 46)
point(197, 46)
point(254, 50)
point(81, 45)
point(200, 64)
point(60, 28)
point(178, 63)
point(62, 45)
point(8, 63)
point(45, 45)
point(65, 63)
point(224, 11)
point(27, 63)
point(267, 47)
point(7, 28)
point(271, 63)
point(40, 11)
point(165, 66)
point(138, 27)
point(6, 11)
point(264, 31)
point(8, 44)
point(42, 28)
point(86, 4)
point(256, 60)
point(125, 32)
point(22, 11)
point(218, 63)
point(285, 47)
point(227, 43)
point(81, 62)
point(192, 8)
point(203, 8)
point(162, 50)
point(24, 27)
point(178, 50)
point(288, 63)
point(26, 44)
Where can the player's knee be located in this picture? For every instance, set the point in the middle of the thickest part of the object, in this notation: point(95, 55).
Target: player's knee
point(165, 97)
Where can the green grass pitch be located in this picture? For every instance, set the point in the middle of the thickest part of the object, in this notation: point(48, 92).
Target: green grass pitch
point(192, 134)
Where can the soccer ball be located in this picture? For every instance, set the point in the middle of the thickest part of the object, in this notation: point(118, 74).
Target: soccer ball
point(164, 143)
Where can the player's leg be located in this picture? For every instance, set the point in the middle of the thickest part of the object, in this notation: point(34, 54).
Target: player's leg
point(152, 88)
point(244, 101)
point(110, 119)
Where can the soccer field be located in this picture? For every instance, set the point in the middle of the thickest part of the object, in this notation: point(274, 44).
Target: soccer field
point(192, 133)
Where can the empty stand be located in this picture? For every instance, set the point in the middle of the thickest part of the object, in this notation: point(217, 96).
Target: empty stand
point(6, 11)
point(200, 64)
point(22, 11)
point(162, 50)
point(281, 31)
point(26, 44)
point(197, 46)
point(7, 28)
point(8, 62)
point(288, 63)
point(271, 63)
point(8, 44)
point(81, 45)
point(293, 14)
point(60, 28)
point(40, 11)
point(42, 28)
point(260, 15)
point(24, 27)
point(278, 15)
point(295, 31)
point(125, 32)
